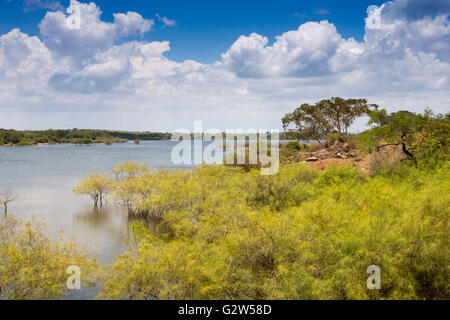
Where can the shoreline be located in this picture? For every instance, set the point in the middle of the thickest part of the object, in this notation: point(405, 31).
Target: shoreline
point(64, 144)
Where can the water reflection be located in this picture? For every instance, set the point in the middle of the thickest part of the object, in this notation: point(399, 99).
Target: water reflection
point(98, 224)
point(114, 223)
point(94, 217)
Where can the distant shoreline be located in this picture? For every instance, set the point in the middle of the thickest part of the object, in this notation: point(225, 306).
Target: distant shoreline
point(75, 136)
point(62, 144)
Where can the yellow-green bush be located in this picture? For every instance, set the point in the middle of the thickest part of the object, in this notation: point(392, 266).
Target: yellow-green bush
point(97, 186)
point(33, 267)
point(299, 235)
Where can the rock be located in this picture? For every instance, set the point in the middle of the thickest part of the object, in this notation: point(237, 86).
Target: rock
point(312, 159)
point(358, 160)
point(334, 147)
point(352, 154)
point(322, 154)
point(341, 156)
point(346, 147)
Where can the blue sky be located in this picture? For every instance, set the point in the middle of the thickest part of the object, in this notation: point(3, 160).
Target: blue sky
point(161, 65)
point(205, 29)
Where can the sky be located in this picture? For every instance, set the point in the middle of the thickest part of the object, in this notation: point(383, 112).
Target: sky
point(161, 65)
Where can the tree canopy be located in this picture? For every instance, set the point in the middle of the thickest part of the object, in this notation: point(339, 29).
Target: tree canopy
point(97, 186)
point(418, 135)
point(316, 122)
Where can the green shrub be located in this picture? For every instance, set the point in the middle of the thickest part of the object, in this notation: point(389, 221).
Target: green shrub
point(33, 267)
point(299, 235)
point(292, 148)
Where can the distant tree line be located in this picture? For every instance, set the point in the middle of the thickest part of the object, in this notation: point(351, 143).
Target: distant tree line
point(75, 136)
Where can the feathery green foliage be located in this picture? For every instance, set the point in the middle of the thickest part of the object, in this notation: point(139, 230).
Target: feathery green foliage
point(299, 235)
point(97, 186)
point(33, 267)
point(422, 137)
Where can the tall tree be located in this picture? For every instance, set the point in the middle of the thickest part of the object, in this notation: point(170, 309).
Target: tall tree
point(315, 122)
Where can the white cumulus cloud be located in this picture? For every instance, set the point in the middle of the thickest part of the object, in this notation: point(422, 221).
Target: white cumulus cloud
point(105, 75)
point(94, 35)
point(303, 52)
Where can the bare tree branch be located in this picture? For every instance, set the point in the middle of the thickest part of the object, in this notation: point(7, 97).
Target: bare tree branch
point(7, 197)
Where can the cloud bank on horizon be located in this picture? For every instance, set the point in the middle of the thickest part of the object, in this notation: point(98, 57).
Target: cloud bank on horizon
point(96, 77)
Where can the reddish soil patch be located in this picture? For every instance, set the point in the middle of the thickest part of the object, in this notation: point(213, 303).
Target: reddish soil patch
point(362, 165)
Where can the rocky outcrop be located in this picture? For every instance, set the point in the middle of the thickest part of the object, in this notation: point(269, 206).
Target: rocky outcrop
point(322, 154)
point(335, 151)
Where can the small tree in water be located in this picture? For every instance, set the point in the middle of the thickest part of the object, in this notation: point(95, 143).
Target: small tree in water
point(97, 186)
point(129, 169)
point(5, 198)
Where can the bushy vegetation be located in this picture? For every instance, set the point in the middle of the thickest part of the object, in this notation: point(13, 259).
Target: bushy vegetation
point(302, 234)
point(292, 148)
point(33, 267)
point(97, 186)
point(421, 137)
